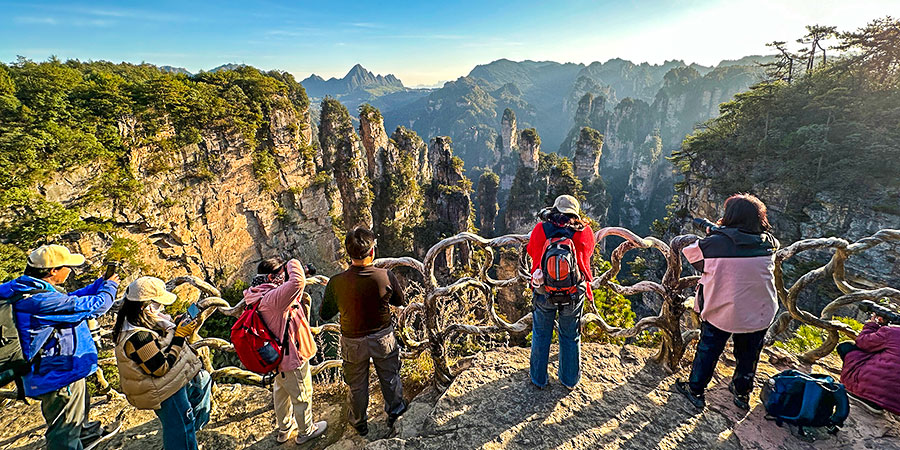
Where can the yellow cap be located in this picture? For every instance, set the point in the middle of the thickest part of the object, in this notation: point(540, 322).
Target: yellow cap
point(567, 204)
point(52, 256)
point(146, 289)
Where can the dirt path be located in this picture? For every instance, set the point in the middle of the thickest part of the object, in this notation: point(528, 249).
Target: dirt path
point(624, 401)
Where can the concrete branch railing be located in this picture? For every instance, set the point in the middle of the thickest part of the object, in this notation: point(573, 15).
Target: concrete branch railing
point(674, 289)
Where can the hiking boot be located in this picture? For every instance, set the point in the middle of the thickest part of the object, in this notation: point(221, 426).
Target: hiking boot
point(698, 400)
point(363, 429)
point(106, 434)
point(318, 431)
point(740, 400)
point(392, 418)
point(869, 406)
point(284, 435)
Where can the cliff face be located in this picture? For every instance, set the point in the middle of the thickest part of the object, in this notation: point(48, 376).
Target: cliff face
point(588, 149)
point(488, 187)
point(345, 156)
point(637, 136)
point(397, 208)
point(508, 132)
point(374, 140)
point(209, 209)
point(529, 148)
point(447, 199)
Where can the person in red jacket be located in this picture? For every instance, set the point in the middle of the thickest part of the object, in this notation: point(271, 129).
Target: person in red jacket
point(871, 370)
point(563, 220)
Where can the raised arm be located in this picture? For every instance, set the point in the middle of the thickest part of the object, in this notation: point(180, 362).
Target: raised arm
point(284, 295)
point(873, 337)
point(72, 309)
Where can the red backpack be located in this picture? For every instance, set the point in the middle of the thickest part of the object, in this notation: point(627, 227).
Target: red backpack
point(560, 266)
point(256, 346)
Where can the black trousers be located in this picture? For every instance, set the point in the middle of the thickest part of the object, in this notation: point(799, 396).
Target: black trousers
point(747, 347)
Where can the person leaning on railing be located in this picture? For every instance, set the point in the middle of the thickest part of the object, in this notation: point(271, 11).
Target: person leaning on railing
point(735, 297)
point(871, 371)
point(158, 370)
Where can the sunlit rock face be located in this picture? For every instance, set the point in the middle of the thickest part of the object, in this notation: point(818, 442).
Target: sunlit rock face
point(204, 210)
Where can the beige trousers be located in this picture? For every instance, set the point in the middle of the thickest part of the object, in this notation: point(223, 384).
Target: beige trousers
point(292, 393)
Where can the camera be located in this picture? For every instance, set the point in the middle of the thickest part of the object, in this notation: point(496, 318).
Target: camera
point(889, 316)
point(308, 269)
point(704, 224)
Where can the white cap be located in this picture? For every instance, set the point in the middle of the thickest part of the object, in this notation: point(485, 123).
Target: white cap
point(52, 256)
point(146, 289)
point(567, 204)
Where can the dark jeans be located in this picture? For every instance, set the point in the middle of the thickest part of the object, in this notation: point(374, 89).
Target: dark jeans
point(185, 412)
point(66, 412)
point(712, 343)
point(569, 318)
point(845, 347)
point(382, 348)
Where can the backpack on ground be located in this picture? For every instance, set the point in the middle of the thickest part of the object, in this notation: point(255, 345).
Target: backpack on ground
point(560, 266)
point(13, 364)
point(255, 344)
point(805, 400)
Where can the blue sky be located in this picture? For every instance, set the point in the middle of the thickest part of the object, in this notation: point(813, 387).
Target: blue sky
point(420, 42)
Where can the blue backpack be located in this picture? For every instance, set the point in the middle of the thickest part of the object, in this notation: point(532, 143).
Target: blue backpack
point(805, 400)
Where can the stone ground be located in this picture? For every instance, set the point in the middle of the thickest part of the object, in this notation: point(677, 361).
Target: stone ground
point(624, 401)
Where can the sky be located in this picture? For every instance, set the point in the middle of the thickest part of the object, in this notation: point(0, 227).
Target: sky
point(421, 42)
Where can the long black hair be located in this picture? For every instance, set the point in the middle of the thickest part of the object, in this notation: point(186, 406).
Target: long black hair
point(745, 212)
point(133, 312)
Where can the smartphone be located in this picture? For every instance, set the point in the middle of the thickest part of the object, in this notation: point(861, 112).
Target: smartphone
point(193, 311)
point(111, 268)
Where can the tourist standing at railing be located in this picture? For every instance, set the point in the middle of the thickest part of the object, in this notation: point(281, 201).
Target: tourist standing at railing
point(735, 297)
point(54, 334)
point(872, 365)
point(279, 289)
point(158, 370)
point(363, 295)
point(572, 242)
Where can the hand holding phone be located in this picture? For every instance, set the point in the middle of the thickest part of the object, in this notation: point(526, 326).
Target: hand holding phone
point(111, 268)
point(193, 311)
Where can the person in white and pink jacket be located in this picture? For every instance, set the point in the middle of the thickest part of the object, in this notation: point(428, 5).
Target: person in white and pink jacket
point(736, 296)
point(279, 289)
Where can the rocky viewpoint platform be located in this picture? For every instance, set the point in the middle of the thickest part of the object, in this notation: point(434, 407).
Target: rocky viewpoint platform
point(624, 401)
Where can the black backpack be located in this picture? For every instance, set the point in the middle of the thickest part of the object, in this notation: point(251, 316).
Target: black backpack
point(13, 364)
point(805, 400)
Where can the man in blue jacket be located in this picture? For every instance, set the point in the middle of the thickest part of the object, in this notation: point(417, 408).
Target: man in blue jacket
point(53, 329)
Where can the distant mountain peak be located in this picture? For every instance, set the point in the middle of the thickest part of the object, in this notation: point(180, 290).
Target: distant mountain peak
point(227, 66)
point(358, 70)
point(358, 78)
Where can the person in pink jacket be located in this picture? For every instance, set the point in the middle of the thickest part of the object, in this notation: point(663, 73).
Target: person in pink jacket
point(872, 365)
point(279, 288)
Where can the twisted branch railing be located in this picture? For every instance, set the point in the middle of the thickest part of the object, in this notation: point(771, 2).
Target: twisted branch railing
point(836, 269)
point(674, 289)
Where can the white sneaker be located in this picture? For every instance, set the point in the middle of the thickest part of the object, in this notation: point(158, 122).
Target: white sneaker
point(318, 431)
point(284, 435)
